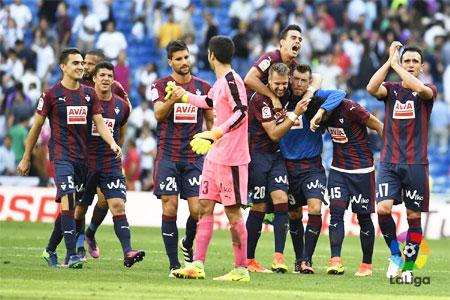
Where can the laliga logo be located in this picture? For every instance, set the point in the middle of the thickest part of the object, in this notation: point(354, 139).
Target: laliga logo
point(411, 250)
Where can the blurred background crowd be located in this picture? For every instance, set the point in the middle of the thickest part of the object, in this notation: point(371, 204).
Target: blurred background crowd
point(345, 41)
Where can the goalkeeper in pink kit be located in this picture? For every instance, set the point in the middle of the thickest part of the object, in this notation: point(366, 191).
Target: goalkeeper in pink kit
point(225, 170)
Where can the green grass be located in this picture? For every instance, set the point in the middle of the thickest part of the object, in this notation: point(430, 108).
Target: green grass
point(24, 275)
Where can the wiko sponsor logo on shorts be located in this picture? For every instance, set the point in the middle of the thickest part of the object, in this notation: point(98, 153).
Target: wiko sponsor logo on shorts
point(409, 250)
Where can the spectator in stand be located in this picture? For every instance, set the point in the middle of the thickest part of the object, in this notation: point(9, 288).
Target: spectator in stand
point(85, 27)
point(111, 41)
point(209, 30)
point(329, 71)
point(341, 59)
point(47, 10)
point(102, 9)
point(18, 135)
point(45, 59)
point(140, 115)
point(242, 50)
point(43, 28)
point(7, 158)
point(12, 33)
point(18, 106)
point(26, 55)
point(32, 85)
point(146, 145)
point(240, 11)
point(21, 14)
point(320, 38)
point(193, 51)
point(146, 75)
point(63, 27)
point(132, 167)
point(122, 71)
point(186, 20)
point(440, 121)
point(14, 66)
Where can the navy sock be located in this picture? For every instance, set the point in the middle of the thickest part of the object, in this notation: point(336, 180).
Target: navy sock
point(98, 216)
point(68, 229)
point(254, 225)
point(312, 233)
point(280, 226)
point(56, 236)
point(388, 229)
point(336, 229)
point(366, 236)
point(122, 229)
point(413, 239)
point(297, 232)
point(169, 232)
point(79, 227)
point(191, 230)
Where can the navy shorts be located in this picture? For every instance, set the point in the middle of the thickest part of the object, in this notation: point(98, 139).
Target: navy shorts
point(404, 183)
point(112, 185)
point(307, 179)
point(356, 189)
point(69, 178)
point(266, 173)
point(173, 178)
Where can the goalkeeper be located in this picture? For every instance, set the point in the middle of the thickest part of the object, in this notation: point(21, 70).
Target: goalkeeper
point(225, 170)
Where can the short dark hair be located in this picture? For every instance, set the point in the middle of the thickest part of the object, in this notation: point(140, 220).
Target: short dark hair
point(174, 46)
point(283, 33)
point(279, 68)
point(303, 68)
point(65, 54)
point(412, 49)
point(103, 65)
point(313, 106)
point(222, 47)
point(97, 52)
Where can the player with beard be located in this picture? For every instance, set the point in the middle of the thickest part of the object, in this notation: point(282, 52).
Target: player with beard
point(177, 167)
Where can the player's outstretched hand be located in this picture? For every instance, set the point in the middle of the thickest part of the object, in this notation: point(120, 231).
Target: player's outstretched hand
point(315, 121)
point(301, 106)
point(169, 89)
point(117, 150)
point(24, 167)
point(202, 142)
point(180, 94)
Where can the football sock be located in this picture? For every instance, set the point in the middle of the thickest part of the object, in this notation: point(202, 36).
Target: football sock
point(122, 229)
point(191, 230)
point(254, 225)
point(413, 239)
point(169, 232)
point(366, 236)
point(239, 238)
point(280, 226)
point(56, 236)
point(79, 227)
point(336, 229)
point(68, 229)
point(388, 229)
point(296, 231)
point(312, 233)
point(205, 227)
point(98, 216)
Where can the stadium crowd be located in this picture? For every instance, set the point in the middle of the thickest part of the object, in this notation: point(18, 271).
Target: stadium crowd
point(345, 41)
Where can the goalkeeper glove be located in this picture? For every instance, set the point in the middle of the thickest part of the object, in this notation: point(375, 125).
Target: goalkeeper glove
point(202, 142)
point(169, 89)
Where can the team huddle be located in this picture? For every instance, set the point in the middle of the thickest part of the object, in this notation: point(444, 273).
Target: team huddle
point(261, 149)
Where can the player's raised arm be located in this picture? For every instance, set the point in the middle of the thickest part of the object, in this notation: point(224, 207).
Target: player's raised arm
point(162, 104)
point(24, 165)
point(375, 86)
point(332, 99)
point(408, 67)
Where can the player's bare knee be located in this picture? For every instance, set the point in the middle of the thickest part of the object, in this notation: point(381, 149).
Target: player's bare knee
point(383, 209)
point(206, 208)
point(169, 206)
point(314, 206)
point(117, 206)
point(80, 212)
point(260, 207)
point(233, 213)
point(295, 214)
point(410, 214)
point(279, 197)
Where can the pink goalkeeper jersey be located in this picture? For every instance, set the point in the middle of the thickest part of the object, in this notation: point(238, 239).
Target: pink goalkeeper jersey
point(229, 101)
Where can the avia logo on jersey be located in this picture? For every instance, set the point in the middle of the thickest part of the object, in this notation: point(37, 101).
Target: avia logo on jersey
point(77, 114)
point(184, 113)
point(404, 110)
point(413, 195)
point(108, 122)
point(359, 199)
point(315, 184)
point(281, 179)
point(116, 185)
point(338, 135)
point(195, 181)
point(298, 124)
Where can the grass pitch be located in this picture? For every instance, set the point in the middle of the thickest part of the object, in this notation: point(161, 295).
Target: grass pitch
point(24, 275)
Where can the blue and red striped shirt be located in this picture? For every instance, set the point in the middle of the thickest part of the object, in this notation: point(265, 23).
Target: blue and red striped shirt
point(405, 133)
point(117, 88)
point(261, 111)
point(101, 157)
point(70, 113)
point(185, 120)
point(347, 127)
